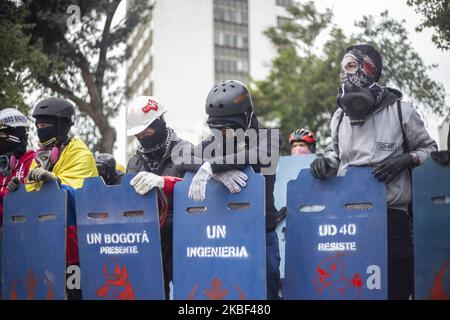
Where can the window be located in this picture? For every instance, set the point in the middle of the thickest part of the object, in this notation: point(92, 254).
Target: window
point(284, 3)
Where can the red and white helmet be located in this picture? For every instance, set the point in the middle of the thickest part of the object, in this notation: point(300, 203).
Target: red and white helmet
point(141, 112)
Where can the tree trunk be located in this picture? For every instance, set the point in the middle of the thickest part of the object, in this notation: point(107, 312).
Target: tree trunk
point(108, 133)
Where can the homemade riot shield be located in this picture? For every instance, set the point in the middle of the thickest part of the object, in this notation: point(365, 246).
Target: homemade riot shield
point(288, 169)
point(219, 243)
point(336, 237)
point(119, 242)
point(431, 209)
point(34, 244)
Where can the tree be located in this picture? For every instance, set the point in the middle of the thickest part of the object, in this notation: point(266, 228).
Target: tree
point(437, 15)
point(301, 88)
point(16, 57)
point(83, 52)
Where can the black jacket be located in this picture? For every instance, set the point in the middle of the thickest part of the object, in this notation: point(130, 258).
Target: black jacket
point(249, 153)
point(166, 167)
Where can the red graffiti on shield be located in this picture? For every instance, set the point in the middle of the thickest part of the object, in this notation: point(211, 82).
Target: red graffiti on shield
point(117, 286)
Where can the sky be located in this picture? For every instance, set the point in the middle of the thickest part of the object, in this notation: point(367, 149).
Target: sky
point(345, 13)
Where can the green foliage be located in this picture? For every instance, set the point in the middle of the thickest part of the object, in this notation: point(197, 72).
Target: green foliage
point(76, 57)
point(16, 58)
point(437, 16)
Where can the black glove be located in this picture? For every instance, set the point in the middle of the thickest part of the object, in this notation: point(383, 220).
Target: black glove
point(391, 167)
point(13, 184)
point(443, 157)
point(40, 174)
point(319, 168)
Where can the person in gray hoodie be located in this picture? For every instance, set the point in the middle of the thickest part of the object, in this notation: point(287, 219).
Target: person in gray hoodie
point(374, 127)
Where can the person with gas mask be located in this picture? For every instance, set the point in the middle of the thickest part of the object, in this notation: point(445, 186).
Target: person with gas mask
point(62, 159)
point(106, 167)
point(154, 167)
point(15, 160)
point(373, 127)
point(302, 141)
point(230, 110)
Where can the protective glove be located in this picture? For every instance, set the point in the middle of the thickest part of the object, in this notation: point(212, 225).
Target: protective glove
point(391, 167)
point(144, 181)
point(443, 157)
point(39, 174)
point(13, 184)
point(319, 168)
point(233, 180)
point(198, 185)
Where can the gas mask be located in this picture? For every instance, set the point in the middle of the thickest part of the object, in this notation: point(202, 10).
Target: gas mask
point(7, 164)
point(357, 103)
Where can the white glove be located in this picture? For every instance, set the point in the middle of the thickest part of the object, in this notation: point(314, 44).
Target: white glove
point(144, 181)
point(233, 180)
point(198, 185)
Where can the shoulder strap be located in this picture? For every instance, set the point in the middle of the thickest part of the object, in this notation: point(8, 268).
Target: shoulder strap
point(341, 117)
point(406, 147)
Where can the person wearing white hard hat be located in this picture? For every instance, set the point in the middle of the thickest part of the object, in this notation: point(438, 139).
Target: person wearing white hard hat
point(153, 165)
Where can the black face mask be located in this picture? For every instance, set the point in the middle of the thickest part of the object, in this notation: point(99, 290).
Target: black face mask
point(7, 147)
point(357, 103)
point(158, 138)
point(15, 142)
point(55, 135)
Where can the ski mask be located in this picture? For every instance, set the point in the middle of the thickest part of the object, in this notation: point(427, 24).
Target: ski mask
point(360, 93)
point(54, 135)
point(13, 141)
point(154, 145)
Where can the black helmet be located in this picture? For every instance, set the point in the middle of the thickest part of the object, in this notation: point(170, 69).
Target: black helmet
point(106, 159)
point(106, 166)
point(229, 105)
point(228, 98)
point(55, 107)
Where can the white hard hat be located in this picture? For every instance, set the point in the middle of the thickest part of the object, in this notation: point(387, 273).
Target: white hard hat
point(10, 117)
point(141, 112)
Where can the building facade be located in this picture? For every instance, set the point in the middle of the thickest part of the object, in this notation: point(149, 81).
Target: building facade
point(187, 46)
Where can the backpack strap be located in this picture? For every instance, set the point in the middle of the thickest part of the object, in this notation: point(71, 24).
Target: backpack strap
point(406, 147)
point(341, 117)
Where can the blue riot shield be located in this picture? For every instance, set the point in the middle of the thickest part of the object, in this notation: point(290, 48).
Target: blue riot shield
point(119, 242)
point(336, 237)
point(219, 244)
point(288, 169)
point(431, 208)
point(34, 244)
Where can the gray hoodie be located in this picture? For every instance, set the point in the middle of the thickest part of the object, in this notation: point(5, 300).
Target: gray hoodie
point(379, 137)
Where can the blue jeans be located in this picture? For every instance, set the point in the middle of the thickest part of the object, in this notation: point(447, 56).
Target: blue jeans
point(272, 266)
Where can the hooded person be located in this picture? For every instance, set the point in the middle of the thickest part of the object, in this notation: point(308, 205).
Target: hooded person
point(302, 141)
point(230, 110)
point(15, 160)
point(62, 159)
point(154, 166)
point(374, 127)
point(106, 167)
